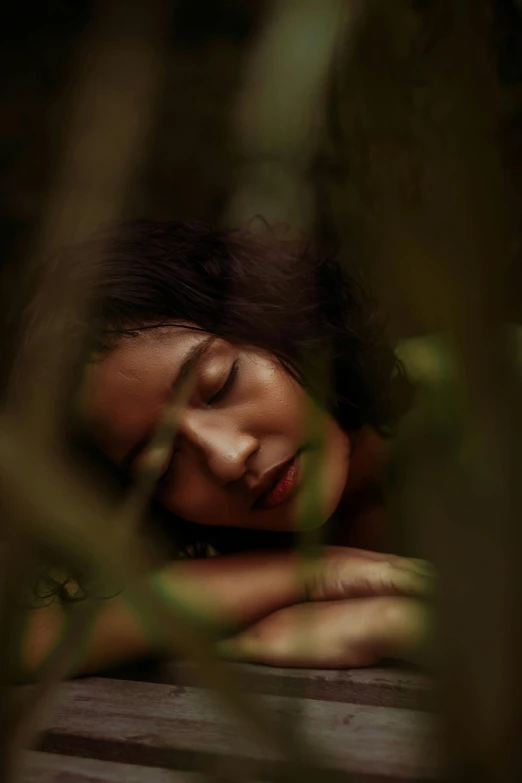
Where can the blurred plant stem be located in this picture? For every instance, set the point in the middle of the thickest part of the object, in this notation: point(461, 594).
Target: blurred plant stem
point(432, 182)
point(278, 123)
point(14, 575)
point(119, 67)
point(280, 113)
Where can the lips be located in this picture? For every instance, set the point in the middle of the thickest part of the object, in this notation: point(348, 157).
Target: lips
point(279, 485)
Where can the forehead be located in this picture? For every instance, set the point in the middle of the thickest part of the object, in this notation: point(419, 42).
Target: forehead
point(129, 385)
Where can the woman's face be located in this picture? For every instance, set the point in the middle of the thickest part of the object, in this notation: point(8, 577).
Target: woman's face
point(238, 455)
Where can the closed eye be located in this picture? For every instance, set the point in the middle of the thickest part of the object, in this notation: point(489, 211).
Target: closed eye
point(227, 386)
point(217, 397)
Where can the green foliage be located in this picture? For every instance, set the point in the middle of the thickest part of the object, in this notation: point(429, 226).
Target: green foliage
point(388, 114)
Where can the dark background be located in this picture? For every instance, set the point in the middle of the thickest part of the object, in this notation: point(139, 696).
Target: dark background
point(193, 162)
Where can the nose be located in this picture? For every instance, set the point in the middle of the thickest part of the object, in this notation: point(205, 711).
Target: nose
point(226, 447)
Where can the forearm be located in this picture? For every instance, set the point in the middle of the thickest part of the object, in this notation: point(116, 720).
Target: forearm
point(236, 590)
point(230, 592)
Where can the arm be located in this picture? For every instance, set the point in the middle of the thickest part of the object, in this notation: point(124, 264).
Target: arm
point(235, 591)
point(337, 634)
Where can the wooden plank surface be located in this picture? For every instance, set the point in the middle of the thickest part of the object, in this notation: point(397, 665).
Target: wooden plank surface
point(182, 727)
point(380, 687)
point(54, 768)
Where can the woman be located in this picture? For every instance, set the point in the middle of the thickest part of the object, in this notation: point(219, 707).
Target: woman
point(266, 335)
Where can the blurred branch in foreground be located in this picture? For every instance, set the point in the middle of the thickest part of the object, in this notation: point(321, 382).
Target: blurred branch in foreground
point(119, 67)
point(439, 218)
point(280, 114)
point(278, 124)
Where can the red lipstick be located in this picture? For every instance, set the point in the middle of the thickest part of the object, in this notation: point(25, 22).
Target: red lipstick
point(282, 488)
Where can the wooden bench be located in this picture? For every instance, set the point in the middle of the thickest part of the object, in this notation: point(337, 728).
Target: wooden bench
point(157, 724)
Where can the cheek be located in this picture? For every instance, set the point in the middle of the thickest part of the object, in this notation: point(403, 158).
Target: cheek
point(188, 496)
point(276, 402)
point(192, 495)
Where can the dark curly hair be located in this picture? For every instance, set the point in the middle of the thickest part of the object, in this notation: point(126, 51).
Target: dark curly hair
point(276, 295)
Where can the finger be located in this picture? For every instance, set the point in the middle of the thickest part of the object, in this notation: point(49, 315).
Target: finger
point(416, 564)
point(358, 578)
point(413, 563)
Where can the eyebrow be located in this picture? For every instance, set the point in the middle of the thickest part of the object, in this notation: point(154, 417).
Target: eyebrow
point(188, 365)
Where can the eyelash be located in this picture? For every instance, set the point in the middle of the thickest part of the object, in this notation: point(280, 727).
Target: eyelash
point(224, 390)
point(219, 395)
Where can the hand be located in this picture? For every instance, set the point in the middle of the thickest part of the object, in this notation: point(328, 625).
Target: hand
point(363, 607)
point(335, 634)
point(344, 572)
